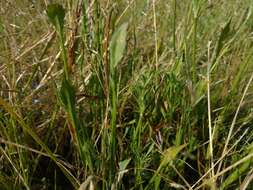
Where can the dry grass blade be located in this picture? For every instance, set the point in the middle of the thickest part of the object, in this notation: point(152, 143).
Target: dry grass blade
point(248, 179)
point(14, 167)
point(234, 121)
point(42, 40)
point(94, 83)
point(87, 184)
point(26, 128)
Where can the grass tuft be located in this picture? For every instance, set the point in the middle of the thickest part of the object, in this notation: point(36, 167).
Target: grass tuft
point(126, 94)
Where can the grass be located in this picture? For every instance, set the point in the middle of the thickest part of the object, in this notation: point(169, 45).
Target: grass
point(126, 94)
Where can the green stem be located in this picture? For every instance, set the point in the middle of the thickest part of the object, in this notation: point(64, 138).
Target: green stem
point(174, 26)
point(63, 50)
point(194, 64)
point(113, 126)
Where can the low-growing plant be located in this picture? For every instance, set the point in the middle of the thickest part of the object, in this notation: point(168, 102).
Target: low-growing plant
point(126, 95)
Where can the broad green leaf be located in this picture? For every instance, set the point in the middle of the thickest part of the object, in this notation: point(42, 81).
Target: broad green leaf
point(122, 168)
point(67, 94)
point(117, 45)
point(170, 154)
point(56, 14)
point(67, 98)
point(223, 36)
point(123, 164)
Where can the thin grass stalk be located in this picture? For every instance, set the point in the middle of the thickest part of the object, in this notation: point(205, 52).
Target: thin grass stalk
point(7, 142)
point(36, 138)
point(15, 134)
point(195, 10)
point(248, 179)
point(234, 121)
point(137, 146)
point(194, 54)
point(174, 24)
point(113, 127)
point(218, 174)
point(15, 169)
point(218, 161)
point(155, 33)
point(209, 111)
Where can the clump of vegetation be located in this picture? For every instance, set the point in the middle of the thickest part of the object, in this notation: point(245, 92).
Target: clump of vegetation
point(126, 94)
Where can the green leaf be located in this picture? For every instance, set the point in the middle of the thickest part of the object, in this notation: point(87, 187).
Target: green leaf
point(236, 174)
point(170, 154)
point(195, 8)
point(27, 128)
point(123, 164)
point(117, 45)
point(67, 94)
point(122, 168)
point(223, 36)
point(56, 14)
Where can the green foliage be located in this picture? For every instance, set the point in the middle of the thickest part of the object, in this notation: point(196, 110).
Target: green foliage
point(56, 15)
point(223, 36)
point(195, 7)
point(117, 45)
point(67, 94)
point(170, 154)
point(122, 168)
point(112, 120)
